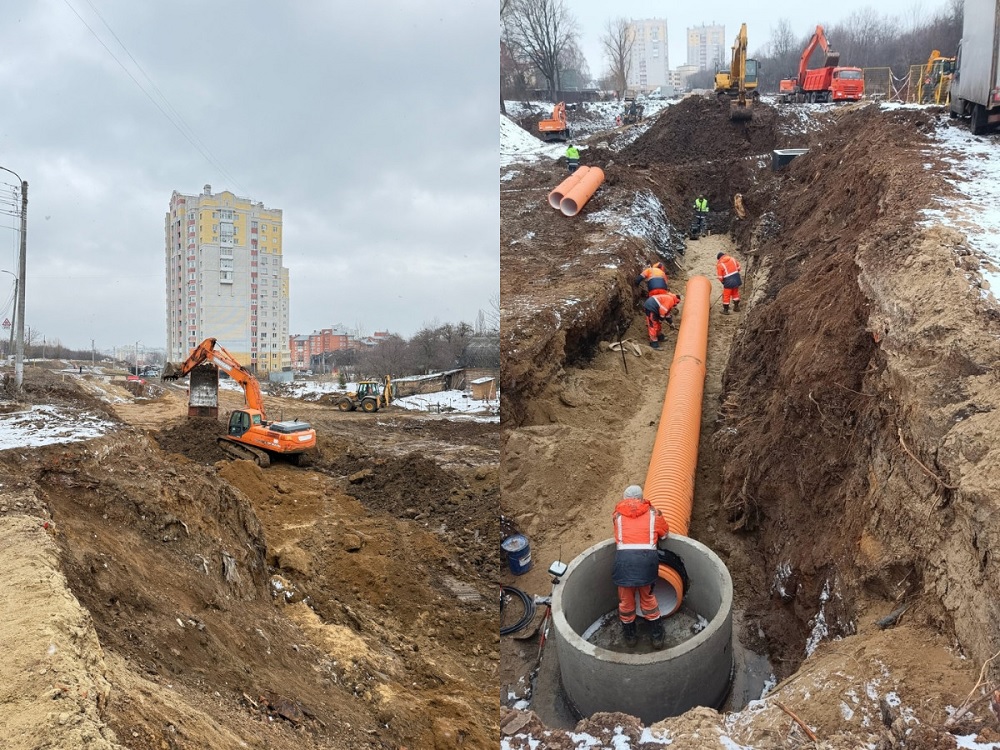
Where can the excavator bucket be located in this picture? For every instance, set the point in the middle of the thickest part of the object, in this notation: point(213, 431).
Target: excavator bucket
point(832, 59)
point(170, 371)
point(740, 109)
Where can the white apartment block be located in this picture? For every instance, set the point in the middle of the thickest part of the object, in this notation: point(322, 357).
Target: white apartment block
point(650, 67)
point(707, 47)
point(226, 280)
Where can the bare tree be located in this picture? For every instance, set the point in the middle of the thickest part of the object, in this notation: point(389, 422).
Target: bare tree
point(504, 5)
point(541, 30)
point(782, 40)
point(617, 42)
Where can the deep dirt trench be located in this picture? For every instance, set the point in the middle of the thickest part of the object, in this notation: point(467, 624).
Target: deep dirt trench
point(202, 603)
point(844, 459)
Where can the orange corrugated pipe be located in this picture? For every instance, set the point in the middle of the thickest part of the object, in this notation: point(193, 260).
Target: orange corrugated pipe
point(670, 478)
point(580, 193)
point(556, 196)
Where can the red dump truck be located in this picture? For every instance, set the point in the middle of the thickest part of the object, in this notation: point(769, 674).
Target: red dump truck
point(828, 83)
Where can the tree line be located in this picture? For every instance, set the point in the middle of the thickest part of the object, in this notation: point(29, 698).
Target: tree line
point(434, 348)
point(865, 39)
point(539, 41)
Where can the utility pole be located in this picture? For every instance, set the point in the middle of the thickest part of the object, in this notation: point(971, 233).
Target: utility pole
point(22, 262)
point(93, 354)
point(136, 357)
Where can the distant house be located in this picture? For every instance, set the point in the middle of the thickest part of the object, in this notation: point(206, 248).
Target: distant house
point(484, 389)
point(448, 380)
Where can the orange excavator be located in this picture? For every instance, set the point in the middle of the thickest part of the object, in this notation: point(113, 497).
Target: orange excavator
point(555, 128)
point(250, 435)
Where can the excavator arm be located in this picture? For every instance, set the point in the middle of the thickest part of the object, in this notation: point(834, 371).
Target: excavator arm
point(210, 351)
point(832, 59)
point(738, 69)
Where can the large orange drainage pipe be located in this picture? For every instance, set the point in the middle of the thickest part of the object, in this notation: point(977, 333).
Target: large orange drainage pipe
point(670, 478)
point(556, 196)
point(580, 193)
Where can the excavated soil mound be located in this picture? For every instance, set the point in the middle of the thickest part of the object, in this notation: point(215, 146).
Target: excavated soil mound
point(194, 438)
point(415, 487)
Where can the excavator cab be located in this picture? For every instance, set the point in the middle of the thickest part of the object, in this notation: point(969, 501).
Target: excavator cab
point(240, 421)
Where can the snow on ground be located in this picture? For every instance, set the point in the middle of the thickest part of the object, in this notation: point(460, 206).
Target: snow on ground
point(453, 404)
point(975, 161)
point(517, 145)
point(49, 425)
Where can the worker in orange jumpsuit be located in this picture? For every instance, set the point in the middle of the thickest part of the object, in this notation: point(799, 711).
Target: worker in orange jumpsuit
point(638, 529)
point(728, 271)
point(656, 279)
point(658, 308)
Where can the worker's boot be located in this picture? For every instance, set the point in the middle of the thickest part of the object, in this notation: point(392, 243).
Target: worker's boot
point(628, 630)
point(725, 309)
point(655, 344)
point(661, 337)
point(656, 634)
point(736, 305)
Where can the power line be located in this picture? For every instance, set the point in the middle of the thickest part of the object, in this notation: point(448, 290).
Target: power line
point(203, 151)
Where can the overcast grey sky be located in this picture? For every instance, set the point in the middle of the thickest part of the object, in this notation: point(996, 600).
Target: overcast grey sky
point(372, 125)
point(760, 18)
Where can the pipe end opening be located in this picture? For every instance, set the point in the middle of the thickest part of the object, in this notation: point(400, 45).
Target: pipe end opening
point(569, 207)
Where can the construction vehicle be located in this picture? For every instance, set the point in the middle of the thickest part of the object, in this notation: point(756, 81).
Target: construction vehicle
point(934, 86)
point(249, 435)
point(556, 128)
point(975, 84)
point(738, 85)
point(370, 396)
point(633, 111)
point(829, 83)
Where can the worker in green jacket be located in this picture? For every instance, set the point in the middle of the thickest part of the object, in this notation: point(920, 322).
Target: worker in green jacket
point(572, 158)
point(700, 213)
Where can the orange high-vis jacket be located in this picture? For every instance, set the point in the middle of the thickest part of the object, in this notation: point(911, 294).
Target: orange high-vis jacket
point(727, 266)
point(638, 527)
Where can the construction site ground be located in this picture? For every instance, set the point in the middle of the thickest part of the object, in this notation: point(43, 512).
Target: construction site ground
point(848, 466)
point(160, 597)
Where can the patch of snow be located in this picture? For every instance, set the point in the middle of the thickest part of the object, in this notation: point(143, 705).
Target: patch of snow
point(976, 162)
point(846, 711)
point(769, 684)
point(45, 424)
point(584, 740)
point(521, 705)
point(819, 630)
point(700, 624)
point(655, 737)
point(892, 699)
point(970, 741)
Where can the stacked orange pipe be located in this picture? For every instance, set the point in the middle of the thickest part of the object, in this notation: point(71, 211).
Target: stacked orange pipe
point(556, 196)
point(669, 482)
point(580, 193)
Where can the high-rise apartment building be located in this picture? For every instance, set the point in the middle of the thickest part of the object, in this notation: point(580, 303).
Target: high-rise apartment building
point(225, 279)
point(650, 67)
point(707, 47)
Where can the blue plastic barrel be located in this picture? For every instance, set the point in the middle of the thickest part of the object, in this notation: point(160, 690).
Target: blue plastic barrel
point(518, 553)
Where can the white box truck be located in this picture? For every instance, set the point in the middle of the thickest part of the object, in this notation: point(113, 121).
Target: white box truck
point(975, 87)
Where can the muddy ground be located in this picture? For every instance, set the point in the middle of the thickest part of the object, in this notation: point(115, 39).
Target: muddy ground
point(162, 597)
point(847, 469)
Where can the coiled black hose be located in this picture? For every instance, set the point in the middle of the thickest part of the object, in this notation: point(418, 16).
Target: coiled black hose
point(529, 608)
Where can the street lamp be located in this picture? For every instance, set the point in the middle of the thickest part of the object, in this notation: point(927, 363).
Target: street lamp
point(21, 263)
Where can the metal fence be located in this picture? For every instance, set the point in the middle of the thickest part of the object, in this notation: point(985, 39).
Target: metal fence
point(927, 88)
point(879, 84)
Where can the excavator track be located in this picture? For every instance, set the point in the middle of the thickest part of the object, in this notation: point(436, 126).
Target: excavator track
point(240, 450)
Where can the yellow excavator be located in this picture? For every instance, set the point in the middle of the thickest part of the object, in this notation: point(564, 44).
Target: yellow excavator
point(935, 79)
point(738, 85)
